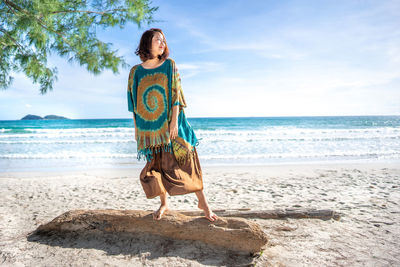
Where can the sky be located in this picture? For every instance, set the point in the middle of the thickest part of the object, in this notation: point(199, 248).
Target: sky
point(243, 59)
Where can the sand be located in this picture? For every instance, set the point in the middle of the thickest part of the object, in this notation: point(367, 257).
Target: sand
point(368, 196)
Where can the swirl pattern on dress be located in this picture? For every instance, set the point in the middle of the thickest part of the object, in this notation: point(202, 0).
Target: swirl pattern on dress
point(153, 106)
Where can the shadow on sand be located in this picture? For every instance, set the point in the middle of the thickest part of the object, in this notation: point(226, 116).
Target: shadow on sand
point(139, 245)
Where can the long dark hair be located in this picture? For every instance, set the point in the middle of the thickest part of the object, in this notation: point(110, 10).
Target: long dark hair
point(143, 50)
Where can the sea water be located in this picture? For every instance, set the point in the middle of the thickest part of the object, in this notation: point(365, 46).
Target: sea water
point(72, 144)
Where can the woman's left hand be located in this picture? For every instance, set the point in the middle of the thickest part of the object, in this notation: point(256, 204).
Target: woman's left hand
point(173, 129)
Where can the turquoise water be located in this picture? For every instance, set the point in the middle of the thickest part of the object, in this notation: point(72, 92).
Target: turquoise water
point(70, 144)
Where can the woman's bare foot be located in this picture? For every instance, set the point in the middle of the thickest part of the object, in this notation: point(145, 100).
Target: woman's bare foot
point(204, 206)
point(160, 212)
point(211, 216)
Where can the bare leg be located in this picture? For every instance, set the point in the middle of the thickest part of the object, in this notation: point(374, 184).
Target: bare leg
point(204, 206)
point(163, 207)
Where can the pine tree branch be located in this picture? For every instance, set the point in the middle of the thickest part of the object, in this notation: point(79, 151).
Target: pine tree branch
point(29, 29)
point(21, 48)
point(12, 5)
point(88, 11)
point(41, 23)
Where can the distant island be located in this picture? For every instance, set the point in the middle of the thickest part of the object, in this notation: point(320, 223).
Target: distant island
point(47, 117)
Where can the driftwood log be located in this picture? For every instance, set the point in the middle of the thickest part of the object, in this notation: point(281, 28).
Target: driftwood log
point(236, 234)
point(324, 214)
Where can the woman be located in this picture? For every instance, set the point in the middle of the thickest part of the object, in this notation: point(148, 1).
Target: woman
point(164, 136)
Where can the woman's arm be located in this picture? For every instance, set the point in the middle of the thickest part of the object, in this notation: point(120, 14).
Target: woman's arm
point(175, 113)
point(178, 101)
point(173, 126)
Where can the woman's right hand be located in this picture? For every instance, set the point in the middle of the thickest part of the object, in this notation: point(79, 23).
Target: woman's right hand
point(173, 129)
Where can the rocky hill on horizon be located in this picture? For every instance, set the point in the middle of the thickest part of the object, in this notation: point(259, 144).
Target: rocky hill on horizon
point(47, 117)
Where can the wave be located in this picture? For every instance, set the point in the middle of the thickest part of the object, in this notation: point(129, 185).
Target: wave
point(98, 141)
point(391, 154)
point(269, 134)
point(67, 155)
point(97, 155)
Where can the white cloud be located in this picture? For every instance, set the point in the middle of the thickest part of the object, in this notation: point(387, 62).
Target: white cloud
point(193, 68)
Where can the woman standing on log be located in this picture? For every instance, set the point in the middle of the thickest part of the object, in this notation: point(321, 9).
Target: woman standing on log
point(164, 137)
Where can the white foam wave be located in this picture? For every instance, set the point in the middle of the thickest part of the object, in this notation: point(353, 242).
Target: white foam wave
point(393, 154)
point(294, 155)
point(270, 134)
point(67, 155)
point(97, 141)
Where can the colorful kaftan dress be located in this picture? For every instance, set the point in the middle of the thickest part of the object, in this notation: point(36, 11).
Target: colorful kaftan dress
point(151, 95)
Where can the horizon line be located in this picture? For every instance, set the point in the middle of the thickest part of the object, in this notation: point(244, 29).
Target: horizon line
point(217, 117)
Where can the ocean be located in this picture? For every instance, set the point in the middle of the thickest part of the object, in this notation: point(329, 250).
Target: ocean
point(27, 145)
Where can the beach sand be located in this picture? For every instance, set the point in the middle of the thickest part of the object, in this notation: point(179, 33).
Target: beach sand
point(368, 196)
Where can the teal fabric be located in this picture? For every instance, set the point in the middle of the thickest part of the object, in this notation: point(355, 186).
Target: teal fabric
point(185, 130)
point(159, 90)
point(130, 101)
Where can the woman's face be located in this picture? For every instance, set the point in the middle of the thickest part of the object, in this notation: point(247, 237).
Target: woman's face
point(158, 44)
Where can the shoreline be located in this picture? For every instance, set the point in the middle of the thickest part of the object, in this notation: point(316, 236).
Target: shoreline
point(392, 163)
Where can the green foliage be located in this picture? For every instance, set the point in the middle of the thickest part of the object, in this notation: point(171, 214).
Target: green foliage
point(30, 30)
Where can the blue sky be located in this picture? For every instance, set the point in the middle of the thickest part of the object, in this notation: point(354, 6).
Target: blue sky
point(245, 58)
